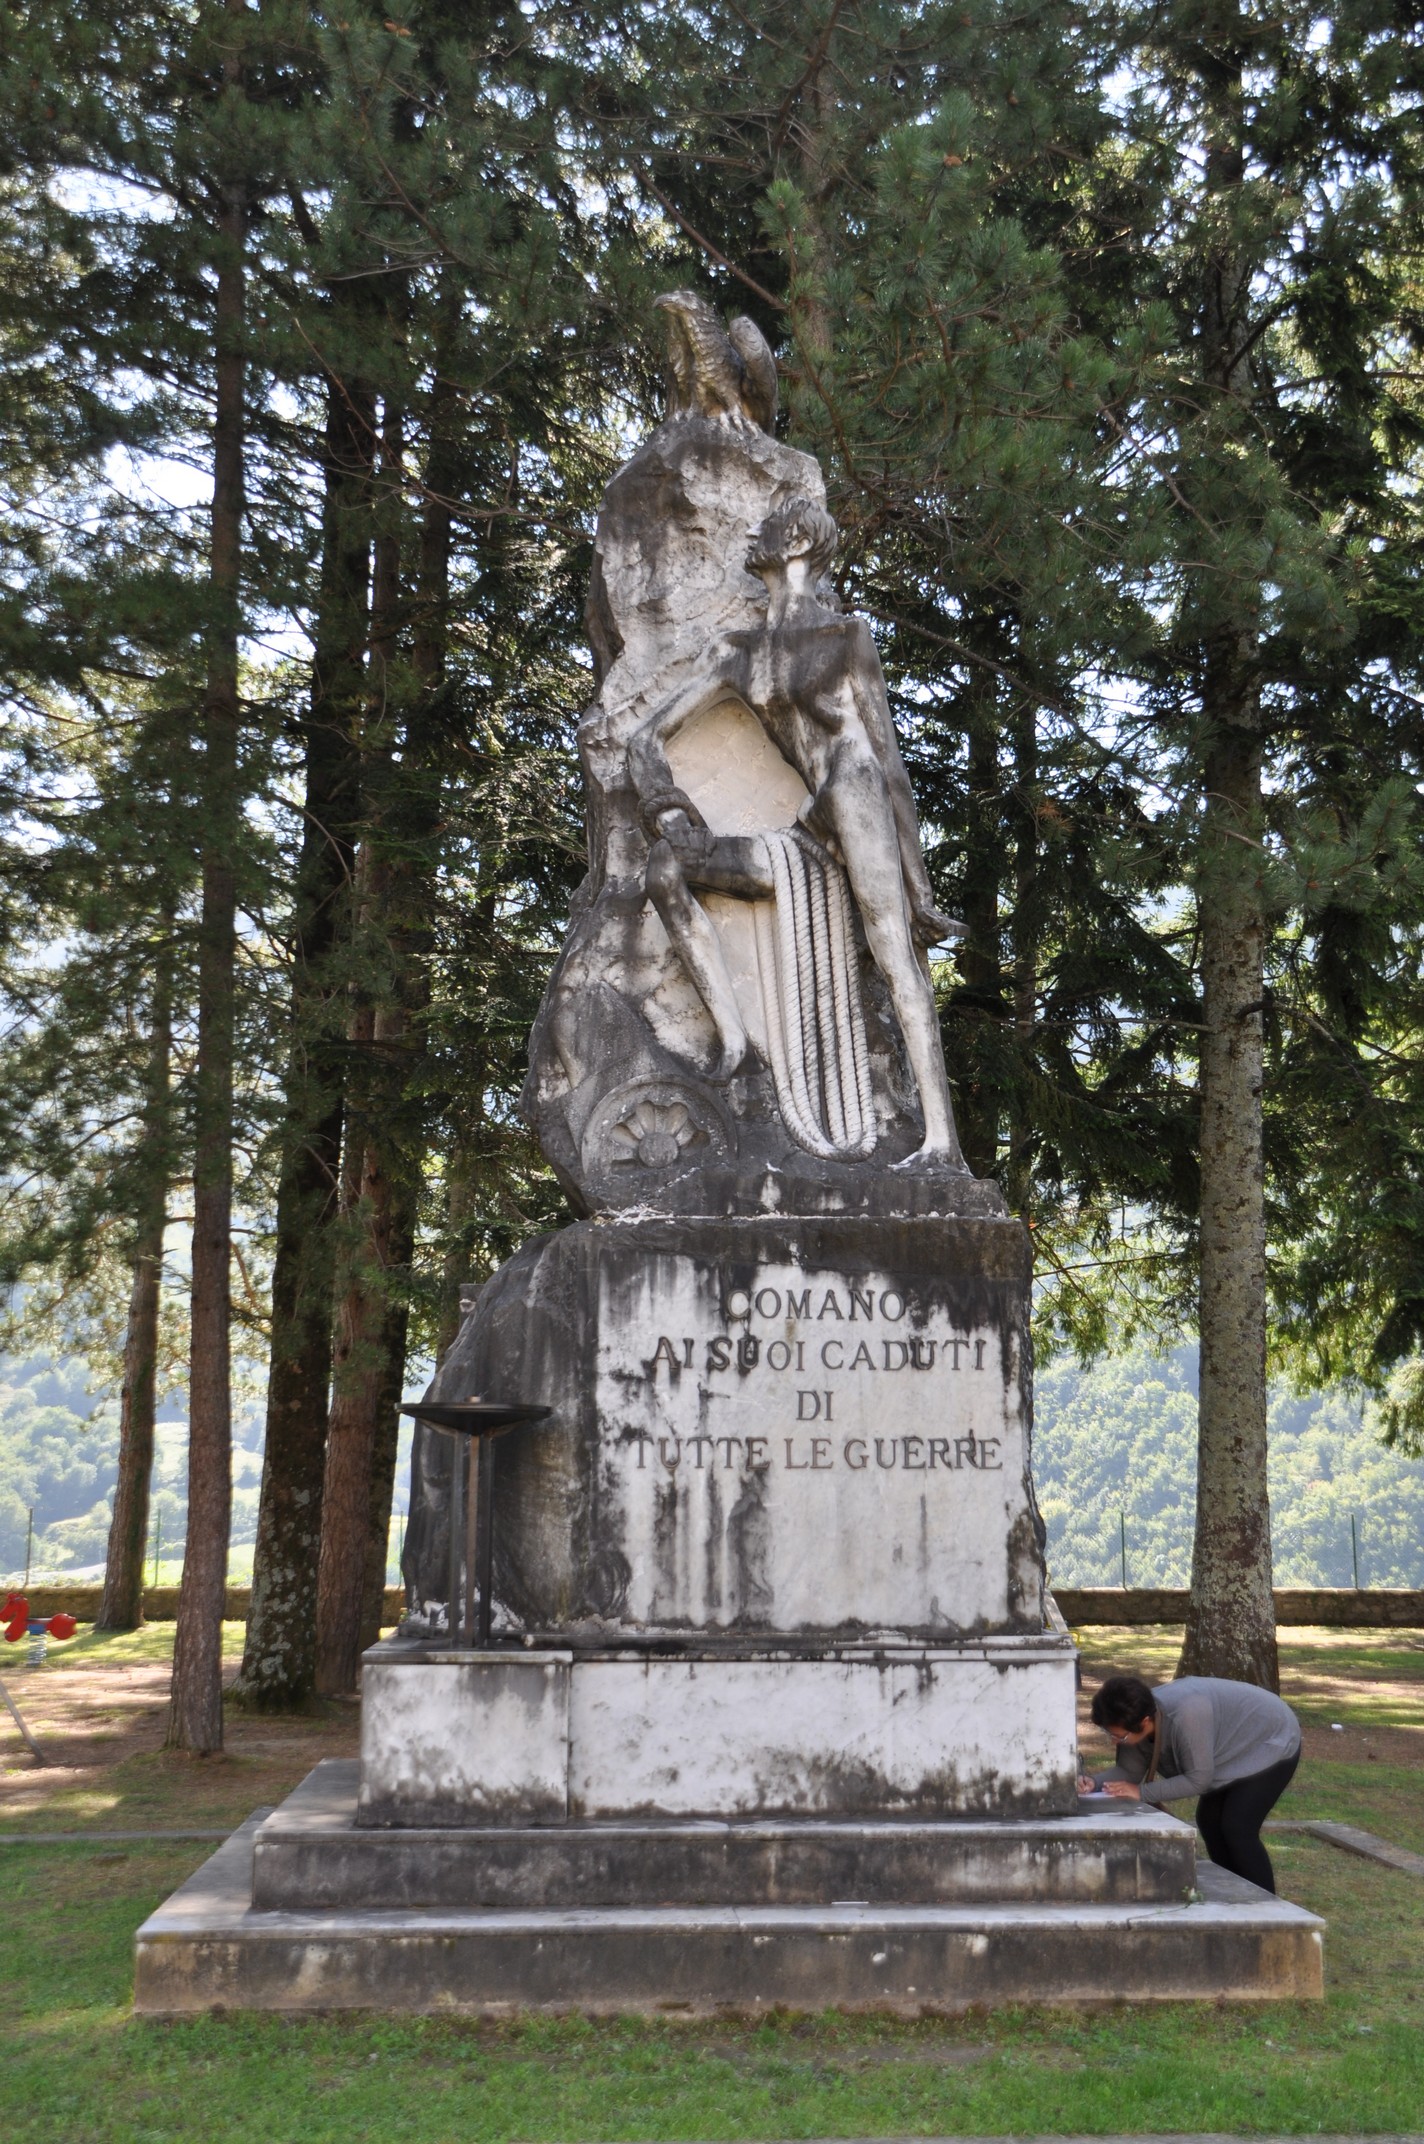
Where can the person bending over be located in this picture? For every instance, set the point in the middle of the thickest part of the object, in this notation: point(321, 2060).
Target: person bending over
point(1233, 1745)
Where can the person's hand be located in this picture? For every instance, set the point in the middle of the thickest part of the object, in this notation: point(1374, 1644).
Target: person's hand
point(1086, 1783)
point(1123, 1790)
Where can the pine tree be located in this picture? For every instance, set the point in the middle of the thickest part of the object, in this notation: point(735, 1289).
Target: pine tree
point(121, 1602)
point(168, 108)
point(95, 631)
point(278, 1659)
point(196, 1721)
point(1294, 166)
point(458, 256)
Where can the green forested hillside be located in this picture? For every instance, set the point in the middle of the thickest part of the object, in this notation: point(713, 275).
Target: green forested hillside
point(1122, 1438)
point(58, 1452)
point(1117, 1438)
point(59, 1442)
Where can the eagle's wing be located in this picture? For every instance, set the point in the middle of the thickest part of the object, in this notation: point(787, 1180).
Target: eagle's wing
point(719, 370)
point(681, 367)
point(758, 371)
point(713, 373)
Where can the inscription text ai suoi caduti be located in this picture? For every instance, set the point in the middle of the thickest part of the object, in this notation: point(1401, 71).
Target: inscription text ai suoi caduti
point(819, 1356)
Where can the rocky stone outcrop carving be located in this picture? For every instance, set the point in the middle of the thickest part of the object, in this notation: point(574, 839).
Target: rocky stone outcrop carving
point(741, 1019)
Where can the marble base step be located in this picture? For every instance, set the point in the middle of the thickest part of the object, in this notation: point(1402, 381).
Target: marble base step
point(738, 1731)
point(207, 1948)
point(310, 1855)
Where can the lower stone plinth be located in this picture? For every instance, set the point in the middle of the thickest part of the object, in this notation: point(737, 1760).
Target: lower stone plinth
point(311, 1854)
point(978, 1729)
point(207, 1948)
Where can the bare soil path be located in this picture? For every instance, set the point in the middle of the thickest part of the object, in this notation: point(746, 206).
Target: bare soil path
point(99, 1710)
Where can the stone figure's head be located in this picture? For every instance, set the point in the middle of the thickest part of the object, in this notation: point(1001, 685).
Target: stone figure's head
point(796, 528)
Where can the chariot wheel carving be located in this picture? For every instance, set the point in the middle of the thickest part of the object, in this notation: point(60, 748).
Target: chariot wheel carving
point(648, 1126)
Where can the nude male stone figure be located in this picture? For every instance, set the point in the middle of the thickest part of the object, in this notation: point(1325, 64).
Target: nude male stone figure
point(812, 678)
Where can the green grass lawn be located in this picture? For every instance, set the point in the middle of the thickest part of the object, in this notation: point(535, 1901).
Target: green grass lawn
point(77, 2068)
point(126, 1648)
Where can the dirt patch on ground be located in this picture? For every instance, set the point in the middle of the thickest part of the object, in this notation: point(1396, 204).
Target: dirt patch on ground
point(102, 1723)
point(1363, 1745)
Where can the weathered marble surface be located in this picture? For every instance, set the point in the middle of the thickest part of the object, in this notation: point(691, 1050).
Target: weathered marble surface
point(983, 1729)
point(485, 1736)
point(624, 1087)
point(315, 1852)
point(206, 1949)
point(787, 1427)
point(967, 1731)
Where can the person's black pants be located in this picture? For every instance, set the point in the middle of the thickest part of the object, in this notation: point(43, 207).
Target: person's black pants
point(1230, 1820)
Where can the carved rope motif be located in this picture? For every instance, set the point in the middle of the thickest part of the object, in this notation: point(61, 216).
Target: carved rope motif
point(811, 994)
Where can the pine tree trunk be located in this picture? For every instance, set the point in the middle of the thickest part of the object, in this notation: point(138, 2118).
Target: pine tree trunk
point(121, 1603)
point(350, 1444)
point(431, 628)
point(371, 1315)
point(979, 1002)
point(279, 1658)
point(1025, 930)
point(455, 1265)
point(370, 1367)
point(196, 1718)
point(383, 1466)
point(1231, 1626)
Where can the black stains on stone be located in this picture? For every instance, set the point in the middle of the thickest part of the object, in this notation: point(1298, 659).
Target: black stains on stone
point(564, 1494)
point(666, 1533)
point(1026, 1581)
point(769, 1863)
point(749, 1545)
point(712, 1544)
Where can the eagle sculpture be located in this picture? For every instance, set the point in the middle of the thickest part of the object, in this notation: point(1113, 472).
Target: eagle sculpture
point(725, 373)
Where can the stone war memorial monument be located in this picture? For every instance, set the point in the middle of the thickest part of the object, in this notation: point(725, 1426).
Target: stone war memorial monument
point(775, 1705)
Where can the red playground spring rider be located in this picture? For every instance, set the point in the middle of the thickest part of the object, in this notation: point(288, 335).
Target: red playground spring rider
point(16, 1622)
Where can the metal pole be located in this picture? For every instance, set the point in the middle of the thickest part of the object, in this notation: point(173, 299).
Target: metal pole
point(473, 1501)
point(1122, 1543)
point(486, 1544)
point(457, 1528)
point(1354, 1551)
point(29, 1741)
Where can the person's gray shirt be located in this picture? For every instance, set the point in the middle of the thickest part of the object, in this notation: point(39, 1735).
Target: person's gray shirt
point(1210, 1732)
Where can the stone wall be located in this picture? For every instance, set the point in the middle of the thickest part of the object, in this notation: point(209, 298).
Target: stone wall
point(1340, 1607)
point(1083, 1607)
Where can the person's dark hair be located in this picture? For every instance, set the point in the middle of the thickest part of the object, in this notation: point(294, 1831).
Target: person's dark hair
point(1123, 1701)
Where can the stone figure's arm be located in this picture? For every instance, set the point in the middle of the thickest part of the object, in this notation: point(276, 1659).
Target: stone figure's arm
point(873, 703)
point(647, 749)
